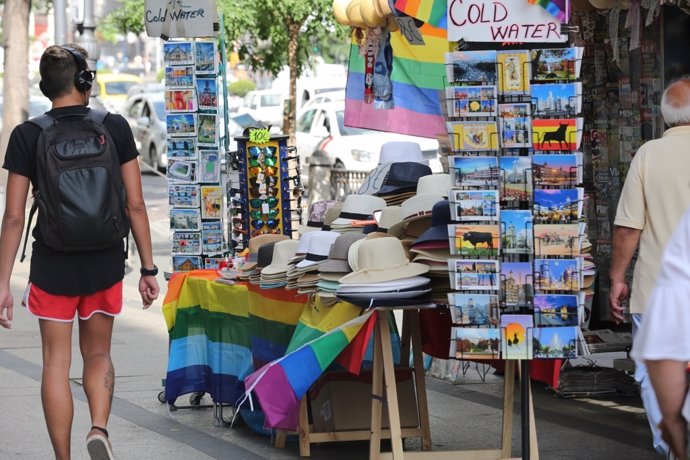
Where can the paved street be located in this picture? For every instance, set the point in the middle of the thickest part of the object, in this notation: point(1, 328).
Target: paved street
point(463, 416)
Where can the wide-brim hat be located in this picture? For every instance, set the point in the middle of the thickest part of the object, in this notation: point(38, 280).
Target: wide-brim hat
point(390, 215)
point(283, 251)
point(400, 151)
point(358, 207)
point(302, 247)
point(415, 208)
point(331, 215)
point(255, 243)
point(382, 259)
point(337, 258)
point(440, 218)
point(403, 177)
point(319, 248)
point(413, 282)
point(434, 184)
point(315, 217)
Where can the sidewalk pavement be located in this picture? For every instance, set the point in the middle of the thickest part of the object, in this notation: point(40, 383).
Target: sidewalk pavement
point(466, 415)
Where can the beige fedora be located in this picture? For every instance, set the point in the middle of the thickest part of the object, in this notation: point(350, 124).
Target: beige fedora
point(384, 7)
point(354, 14)
point(382, 259)
point(283, 251)
point(255, 243)
point(369, 14)
point(434, 184)
point(415, 208)
point(390, 215)
point(340, 11)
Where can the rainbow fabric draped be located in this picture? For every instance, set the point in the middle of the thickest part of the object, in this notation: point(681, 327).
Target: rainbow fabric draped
point(209, 340)
point(556, 8)
point(433, 12)
point(417, 76)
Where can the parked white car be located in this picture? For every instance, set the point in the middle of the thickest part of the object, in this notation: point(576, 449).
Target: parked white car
point(321, 130)
point(266, 106)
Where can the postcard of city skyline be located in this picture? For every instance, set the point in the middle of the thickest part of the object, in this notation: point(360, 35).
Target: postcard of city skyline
point(475, 206)
point(556, 310)
point(556, 169)
point(557, 274)
point(557, 98)
point(474, 309)
point(474, 66)
point(556, 198)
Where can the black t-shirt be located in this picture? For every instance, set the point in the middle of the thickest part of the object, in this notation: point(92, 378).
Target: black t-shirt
point(70, 273)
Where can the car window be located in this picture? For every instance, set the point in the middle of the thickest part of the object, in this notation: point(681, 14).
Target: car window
point(146, 111)
point(346, 130)
point(118, 87)
point(270, 100)
point(305, 121)
point(135, 109)
point(159, 108)
point(322, 121)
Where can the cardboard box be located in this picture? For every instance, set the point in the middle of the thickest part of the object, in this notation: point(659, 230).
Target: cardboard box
point(341, 401)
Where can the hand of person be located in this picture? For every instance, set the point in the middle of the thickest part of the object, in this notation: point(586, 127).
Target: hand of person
point(6, 314)
point(618, 292)
point(148, 288)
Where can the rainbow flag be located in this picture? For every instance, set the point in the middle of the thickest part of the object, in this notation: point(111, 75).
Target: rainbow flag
point(556, 8)
point(417, 76)
point(209, 342)
point(281, 384)
point(433, 12)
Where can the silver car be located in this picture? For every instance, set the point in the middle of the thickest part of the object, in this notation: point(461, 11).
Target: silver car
point(146, 115)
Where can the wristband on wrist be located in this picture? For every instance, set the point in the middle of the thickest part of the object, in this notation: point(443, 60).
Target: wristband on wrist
point(149, 271)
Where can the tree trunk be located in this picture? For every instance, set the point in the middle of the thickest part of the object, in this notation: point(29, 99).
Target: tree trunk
point(291, 113)
point(16, 79)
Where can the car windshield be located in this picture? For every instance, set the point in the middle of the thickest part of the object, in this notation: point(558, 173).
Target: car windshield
point(270, 100)
point(346, 130)
point(159, 107)
point(118, 87)
point(245, 120)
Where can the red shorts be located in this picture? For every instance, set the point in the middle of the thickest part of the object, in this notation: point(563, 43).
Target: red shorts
point(64, 307)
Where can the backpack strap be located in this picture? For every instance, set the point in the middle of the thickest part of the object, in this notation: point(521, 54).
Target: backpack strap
point(34, 207)
point(43, 121)
point(96, 115)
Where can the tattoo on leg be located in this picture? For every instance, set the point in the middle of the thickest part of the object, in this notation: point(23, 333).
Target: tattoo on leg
point(109, 382)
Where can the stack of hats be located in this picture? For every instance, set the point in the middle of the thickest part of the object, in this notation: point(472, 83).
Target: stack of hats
point(416, 211)
point(264, 259)
point(433, 246)
point(273, 274)
point(249, 266)
point(383, 275)
point(389, 216)
point(331, 215)
point(401, 165)
point(356, 208)
point(317, 213)
point(337, 265)
point(317, 253)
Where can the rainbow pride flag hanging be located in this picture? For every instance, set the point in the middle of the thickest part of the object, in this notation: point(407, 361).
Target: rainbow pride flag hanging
point(417, 76)
point(208, 327)
point(433, 12)
point(556, 8)
point(281, 384)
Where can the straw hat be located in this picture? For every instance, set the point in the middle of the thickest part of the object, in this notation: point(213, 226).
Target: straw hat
point(255, 243)
point(354, 14)
point(340, 11)
point(317, 212)
point(400, 151)
point(332, 214)
point(390, 215)
point(382, 259)
point(319, 247)
point(369, 14)
point(283, 251)
point(415, 208)
point(358, 207)
point(434, 184)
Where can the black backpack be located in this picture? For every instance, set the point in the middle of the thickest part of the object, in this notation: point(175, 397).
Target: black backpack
point(79, 192)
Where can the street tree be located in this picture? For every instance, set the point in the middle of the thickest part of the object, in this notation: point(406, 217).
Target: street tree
point(16, 77)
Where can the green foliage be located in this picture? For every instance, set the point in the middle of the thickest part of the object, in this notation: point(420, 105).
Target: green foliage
point(128, 17)
point(241, 87)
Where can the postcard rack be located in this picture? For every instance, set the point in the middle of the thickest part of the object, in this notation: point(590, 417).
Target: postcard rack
point(192, 78)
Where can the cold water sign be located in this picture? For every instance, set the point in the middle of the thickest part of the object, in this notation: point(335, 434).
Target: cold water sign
point(180, 18)
point(501, 21)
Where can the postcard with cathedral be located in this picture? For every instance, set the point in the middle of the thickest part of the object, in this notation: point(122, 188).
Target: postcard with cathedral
point(515, 125)
point(515, 173)
point(474, 205)
point(516, 231)
point(516, 336)
point(514, 71)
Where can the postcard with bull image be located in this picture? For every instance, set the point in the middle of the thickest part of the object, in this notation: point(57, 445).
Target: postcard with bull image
point(563, 134)
point(476, 342)
point(473, 309)
point(474, 205)
point(473, 275)
point(477, 240)
point(558, 239)
point(558, 274)
point(558, 206)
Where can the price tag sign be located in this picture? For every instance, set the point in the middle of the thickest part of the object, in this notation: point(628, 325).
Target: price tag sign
point(259, 135)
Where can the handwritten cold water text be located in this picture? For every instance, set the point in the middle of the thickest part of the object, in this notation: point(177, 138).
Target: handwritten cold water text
point(179, 12)
point(496, 15)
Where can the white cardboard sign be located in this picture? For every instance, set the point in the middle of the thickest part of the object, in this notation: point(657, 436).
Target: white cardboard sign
point(180, 18)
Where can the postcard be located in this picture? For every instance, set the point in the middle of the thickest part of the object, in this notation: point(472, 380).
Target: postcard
point(471, 101)
point(474, 239)
point(181, 124)
point(179, 77)
point(473, 135)
point(557, 274)
point(182, 171)
point(557, 64)
point(516, 340)
point(473, 309)
point(516, 231)
point(475, 342)
point(205, 57)
point(558, 239)
point(188, 219)
point(473, 275)
point(212, 240)
point(517, 283)
point(186, 263)
point(208, 130)
point(471, 66)
point(556, 133)
point(469, 205)
point(557, 169)
point(211, 201)
point(183, 196)
point(555, 342)
point(561, 206)
point(514, 71)
point(207, 90)
point(181, 148)
point(178, 53)
point(474, 171)
point(515, 125)
point(515, 178)
point(209, 166)
point(213, 263)
point(180, 100)
point(556, 310)
point(184, 243)
point(557, 99)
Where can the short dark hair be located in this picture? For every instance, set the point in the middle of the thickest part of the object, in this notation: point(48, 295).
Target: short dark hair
point(58, 68)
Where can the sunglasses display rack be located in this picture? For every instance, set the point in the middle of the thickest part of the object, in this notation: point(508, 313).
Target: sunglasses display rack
point(514, 130)
point(261, 199)
point(195, 197)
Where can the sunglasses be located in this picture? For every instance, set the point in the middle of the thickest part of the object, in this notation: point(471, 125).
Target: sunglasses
point(271, 201)
point(256, 152)
point(296, 179)
point(258, 214)
point(254, 171)
point(269, 223)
